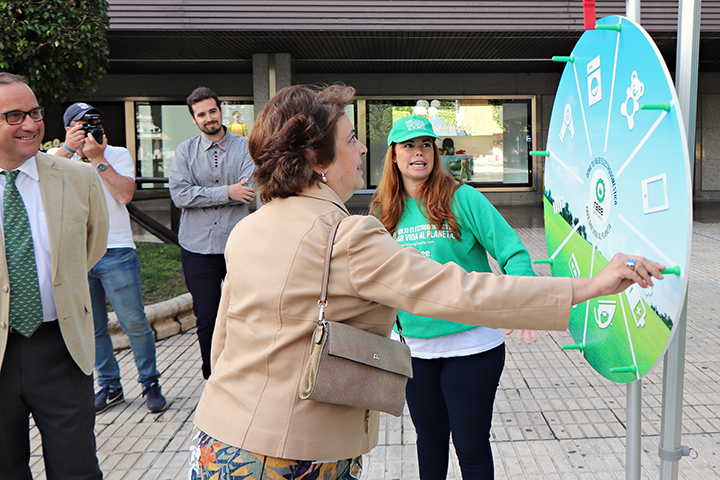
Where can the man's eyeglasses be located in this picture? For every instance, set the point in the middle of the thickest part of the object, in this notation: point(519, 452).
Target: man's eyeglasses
point(16, 117)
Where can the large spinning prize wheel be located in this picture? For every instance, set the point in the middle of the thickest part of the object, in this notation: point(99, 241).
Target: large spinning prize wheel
point(617, 179)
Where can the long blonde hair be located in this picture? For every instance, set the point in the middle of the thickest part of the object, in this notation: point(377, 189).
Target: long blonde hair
point(435, 195)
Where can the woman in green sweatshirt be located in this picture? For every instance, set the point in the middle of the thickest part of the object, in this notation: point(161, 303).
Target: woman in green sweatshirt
point(456, 367)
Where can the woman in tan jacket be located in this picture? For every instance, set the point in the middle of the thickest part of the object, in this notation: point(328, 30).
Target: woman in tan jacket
point(250, 421)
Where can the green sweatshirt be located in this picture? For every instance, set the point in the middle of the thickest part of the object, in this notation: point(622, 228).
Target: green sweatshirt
point(483, 231)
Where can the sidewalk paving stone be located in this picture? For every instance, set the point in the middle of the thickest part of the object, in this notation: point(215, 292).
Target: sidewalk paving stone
point(555, 418)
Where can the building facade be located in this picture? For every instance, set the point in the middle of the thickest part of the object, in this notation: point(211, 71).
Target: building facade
point(480, 70)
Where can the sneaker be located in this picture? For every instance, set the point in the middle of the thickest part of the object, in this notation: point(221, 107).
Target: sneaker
point(155, 400)
point(107, 397)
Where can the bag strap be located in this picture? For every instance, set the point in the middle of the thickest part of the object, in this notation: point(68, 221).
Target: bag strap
point(322, 303)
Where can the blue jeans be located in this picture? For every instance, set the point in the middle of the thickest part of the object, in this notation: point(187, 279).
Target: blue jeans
point(455, 394)
point(117, 275)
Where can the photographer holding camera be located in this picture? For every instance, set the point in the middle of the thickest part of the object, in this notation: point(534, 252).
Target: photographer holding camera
point(85, 140)
point(117, 274)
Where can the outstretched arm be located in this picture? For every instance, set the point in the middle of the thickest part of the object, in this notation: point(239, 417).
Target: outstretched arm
point(616, 277)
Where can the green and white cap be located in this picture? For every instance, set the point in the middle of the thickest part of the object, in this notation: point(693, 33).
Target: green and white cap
point(410, 127)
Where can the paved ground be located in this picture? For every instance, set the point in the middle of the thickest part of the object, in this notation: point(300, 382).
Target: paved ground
point(555, 418)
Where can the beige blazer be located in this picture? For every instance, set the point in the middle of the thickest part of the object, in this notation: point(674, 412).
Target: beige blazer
point(269, 310)
point(77, 226)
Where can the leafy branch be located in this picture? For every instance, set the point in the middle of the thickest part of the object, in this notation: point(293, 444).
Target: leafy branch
point(59, 45)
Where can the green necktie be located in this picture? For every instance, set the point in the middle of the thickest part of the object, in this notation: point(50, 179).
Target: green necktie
point(25, 306)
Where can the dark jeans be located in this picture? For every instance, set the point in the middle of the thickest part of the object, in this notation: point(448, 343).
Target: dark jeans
point(203, 276)
point(455, 395)
point(39, 377)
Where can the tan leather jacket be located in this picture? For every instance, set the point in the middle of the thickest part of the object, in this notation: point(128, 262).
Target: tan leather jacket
point(269, 310)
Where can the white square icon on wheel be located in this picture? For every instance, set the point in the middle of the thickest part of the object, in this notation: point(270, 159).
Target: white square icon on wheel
point(655, 194)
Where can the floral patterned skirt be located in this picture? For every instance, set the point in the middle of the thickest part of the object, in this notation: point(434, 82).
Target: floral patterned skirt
point(211, 459)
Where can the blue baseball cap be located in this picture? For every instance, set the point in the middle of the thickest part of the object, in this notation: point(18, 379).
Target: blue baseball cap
point(410, 127)
point(78, 110)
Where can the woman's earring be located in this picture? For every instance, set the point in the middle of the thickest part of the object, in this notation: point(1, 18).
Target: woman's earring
point(323, 177)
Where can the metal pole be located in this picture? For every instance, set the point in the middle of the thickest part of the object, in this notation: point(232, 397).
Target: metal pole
point(634, 430)
point(634, 389)
point(632, 10)
point(686, 71)
point(686, 68)
point(670, 450)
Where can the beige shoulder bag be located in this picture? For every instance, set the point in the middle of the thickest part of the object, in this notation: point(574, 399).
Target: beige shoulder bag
point(350, 366)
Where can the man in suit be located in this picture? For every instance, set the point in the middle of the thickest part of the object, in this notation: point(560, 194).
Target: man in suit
point(47, 349)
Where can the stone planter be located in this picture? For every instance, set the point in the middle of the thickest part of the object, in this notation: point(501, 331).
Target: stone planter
point(166, 319)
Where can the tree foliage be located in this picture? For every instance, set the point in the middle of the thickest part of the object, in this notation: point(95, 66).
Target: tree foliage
point(59, 45)
point(664, 317)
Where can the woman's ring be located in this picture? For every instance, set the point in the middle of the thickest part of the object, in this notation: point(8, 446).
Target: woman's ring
point(631, 263)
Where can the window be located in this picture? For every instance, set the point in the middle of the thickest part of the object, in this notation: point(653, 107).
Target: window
point(162, 126)
point(484, 141)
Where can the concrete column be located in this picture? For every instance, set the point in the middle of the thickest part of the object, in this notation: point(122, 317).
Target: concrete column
point(283, 71)
point(261, 81)
point(271, 73)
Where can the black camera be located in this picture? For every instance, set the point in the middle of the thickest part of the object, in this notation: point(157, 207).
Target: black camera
point(93, 126)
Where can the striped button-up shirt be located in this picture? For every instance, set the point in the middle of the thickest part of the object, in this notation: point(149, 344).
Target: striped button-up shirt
point(199, 176)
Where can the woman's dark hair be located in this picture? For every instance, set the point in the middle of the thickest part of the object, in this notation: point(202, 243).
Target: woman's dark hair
point(294, 132)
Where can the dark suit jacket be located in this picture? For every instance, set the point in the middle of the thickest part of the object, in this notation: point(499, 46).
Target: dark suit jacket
point(77, 226)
